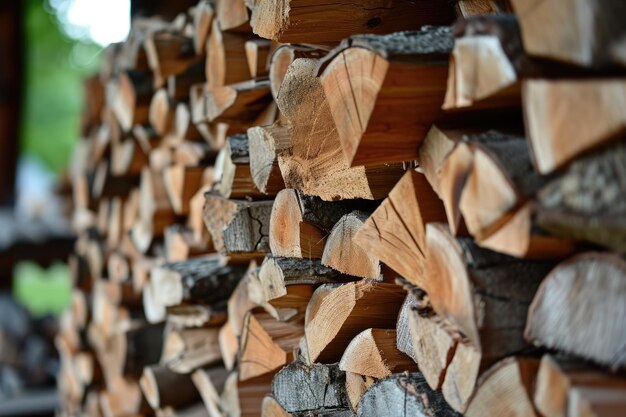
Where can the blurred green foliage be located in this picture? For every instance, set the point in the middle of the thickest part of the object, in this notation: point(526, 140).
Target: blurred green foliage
point(55, 66)
point(42, 291)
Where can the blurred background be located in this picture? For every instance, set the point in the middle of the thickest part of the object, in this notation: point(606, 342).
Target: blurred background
point(47, 47)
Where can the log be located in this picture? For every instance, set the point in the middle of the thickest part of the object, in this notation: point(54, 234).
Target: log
point(586, 116)
point(373, 353)
point(210, 383)
point(299, 22)
point(342, 251)
point(265, 143)
point(266, 344)
point(404, 341)
point(501, 178)
point(181, 183)
point(602, 42)
point(324, 386)
point(323, 172)
point(341, 316)
point(405, 394)
point(282, 57)
point(271, 408)
point(244, 398)
point(564, 387)
point(131, 98)
point(238, 226)
point(180, 244)
point(506, 389)
point(162, 112)
point(586, 201)
point(356, 386)
point(232, 15)
point(203, 15)
point(396, 232)
point(258, 53)
point(163, 388)
point(485, 296)
point(240, 102)
point(169, 53)
point(226, 58)
point(188, 349)
point(377, 120)
point(179, 86)
point(562, 315)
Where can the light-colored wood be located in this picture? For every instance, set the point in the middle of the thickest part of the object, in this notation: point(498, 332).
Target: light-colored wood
point(163, 388)
point(303, 21)
point(377, 120)
point(169, 53)
point(356, 386)
point(395, 233)
point(506, 389)
point(271, 408)
point(282, 57)
point(572, 305)
point(239, 102)
point(565, 118)
point(258, 53)
point(373, 353)
point(188, 349)
point(244, 398)
point(226, 58)
point(232, 15)
point(322, 169)
point(210, 382)
point(343, 253)
point(203, 15)
point(266, 142)
point(341, 315)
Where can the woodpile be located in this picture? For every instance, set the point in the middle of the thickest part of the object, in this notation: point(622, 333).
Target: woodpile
point(358, 208)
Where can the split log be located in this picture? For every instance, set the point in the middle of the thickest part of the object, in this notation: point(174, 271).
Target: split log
point(258, 53)
point(240, 102)
point(299, 224)
point(163, 388)
point(405, 394)
point(383, 113)
point(287, 283)
point(203, 15)
point(210, 383)
point(179, 85)
point(162, 112)
point(131, 98)
point(506, 390)
point(485, 296)
point(342, 251)
point(373, 353)
point(566, 388)
point(571, 308)
point(501, 178)
point(587, 201)
point(299, 22)
point(356, 386)
point(404, 341)
point(168, 53)
point(324, 386)
point(232, 15)
point(315, 163)
point(271, 408)
point(195, 410)
point(341, 315)
point(437, 146)
point(180, 244)
point(396, 232)
point(244, 398)
point(266, 344)
point(601, 23)
point(188, 349)
point(266, 142)
point(202, 281)
point(226, 58)
point(282, 57)
point(565, 118)
point(195, 219)
point(181, 183)
point(238, 226)
point(128, 158)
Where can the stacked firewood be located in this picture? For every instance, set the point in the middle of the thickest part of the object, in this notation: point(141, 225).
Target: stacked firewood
point(371, 208)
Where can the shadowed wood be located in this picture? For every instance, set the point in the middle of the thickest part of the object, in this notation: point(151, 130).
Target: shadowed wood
point(571, 308)
point(169, 53)
point(341, 315)
point(244, 398)
point(258, 52)
point(163, 388)
point(210, 383)
point(282, 57)
point(181, 183)
point(271, 408)
point(226, 58)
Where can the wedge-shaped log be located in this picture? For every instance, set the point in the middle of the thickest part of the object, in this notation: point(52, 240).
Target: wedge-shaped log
point(346, 311)
point(404, 394)
point(373, 353)
point(343, 253)
point(396, 231)
point(565, 118)
point(384, 92)
point(301, 21)
point(130, 100)
point(315, 163)
point(595, 36)
point(592, 283)
point(210, 383)
point(164, 388)
point(267, 344)
point(244, 398)
point(239, 102)
point(238, 226)
point(265, 143)
point(226, 58)
point(187, 349)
